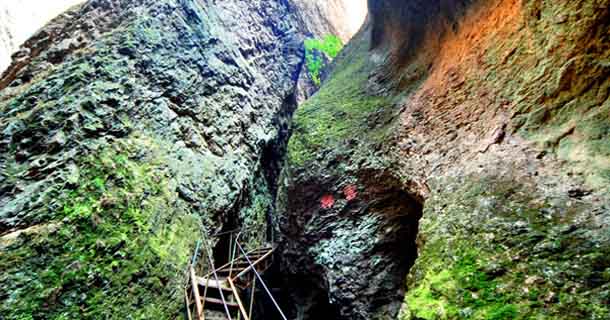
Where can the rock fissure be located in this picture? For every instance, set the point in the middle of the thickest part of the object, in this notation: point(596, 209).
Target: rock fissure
point(130, 126)
point(454, 163)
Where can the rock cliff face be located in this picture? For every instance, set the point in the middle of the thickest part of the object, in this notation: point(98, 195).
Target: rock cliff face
point(458, 155)
point(454, 165)
point(128, 129)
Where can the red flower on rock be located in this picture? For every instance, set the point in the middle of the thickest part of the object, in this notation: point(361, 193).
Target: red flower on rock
point(350, 192)
point(327, 201)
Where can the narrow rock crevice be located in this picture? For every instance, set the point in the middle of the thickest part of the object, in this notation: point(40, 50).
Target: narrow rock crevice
point(266, 186)
point(273, 156)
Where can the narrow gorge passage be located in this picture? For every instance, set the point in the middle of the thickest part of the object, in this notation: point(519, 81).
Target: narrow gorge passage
point(419, 160)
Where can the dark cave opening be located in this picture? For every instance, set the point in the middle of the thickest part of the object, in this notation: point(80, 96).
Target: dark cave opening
point(221, 250)
point(285, 290)
point(264, 307)
point(224, 239)
point(352, 261)
point(400, 212)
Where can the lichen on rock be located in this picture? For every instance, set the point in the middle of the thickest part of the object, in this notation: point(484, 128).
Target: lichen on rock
point(115, 238)
point(496, 248)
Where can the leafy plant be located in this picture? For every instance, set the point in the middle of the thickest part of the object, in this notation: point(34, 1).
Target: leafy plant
point(315, 49)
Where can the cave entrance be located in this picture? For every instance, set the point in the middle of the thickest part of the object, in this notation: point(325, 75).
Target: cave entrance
point(351, 261)
point(400, 213)
point(385, 264)
point(224, 244)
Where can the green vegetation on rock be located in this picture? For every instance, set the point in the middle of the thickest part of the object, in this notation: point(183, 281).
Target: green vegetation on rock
point(330, 46)
point(115, 248)
point(512, 231)
point(495, 249)
point(341, 108)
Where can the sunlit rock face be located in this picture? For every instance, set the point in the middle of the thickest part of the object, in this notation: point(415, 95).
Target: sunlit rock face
point(482, 126)
point(339, 17)
point(7, 42)
point(19, 19)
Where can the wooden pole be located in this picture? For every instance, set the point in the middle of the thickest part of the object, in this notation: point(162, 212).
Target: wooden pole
point(205, 292)
point(188, 305)
point(239, 303)
point(195, 285)
point(252, 297)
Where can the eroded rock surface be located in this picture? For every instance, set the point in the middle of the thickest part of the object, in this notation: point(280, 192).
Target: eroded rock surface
point(492, 116)
point(127, 129)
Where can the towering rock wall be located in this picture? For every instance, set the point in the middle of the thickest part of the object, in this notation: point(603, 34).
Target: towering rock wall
point(128, 130)
point(19, 20)
point(471, 135)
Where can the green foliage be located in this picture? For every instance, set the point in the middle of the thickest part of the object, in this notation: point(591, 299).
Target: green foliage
point(116, 249)
point(330, 46)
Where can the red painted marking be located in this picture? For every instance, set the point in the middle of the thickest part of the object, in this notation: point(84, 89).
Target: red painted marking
point(350, 192)
point(327, 201)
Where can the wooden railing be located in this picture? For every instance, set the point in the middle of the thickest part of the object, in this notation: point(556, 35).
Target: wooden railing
point(238, 274)
point(258, 276)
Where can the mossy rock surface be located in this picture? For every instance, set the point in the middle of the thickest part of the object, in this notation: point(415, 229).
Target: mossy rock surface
point(117, 247)
point(345, 114)
point(493, 116)
point(128, 131)
point(497, 249)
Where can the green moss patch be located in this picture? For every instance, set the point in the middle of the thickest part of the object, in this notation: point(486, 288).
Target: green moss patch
point(117, 248)
point(343, 109)
point(461, 290)
point(495, 249)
